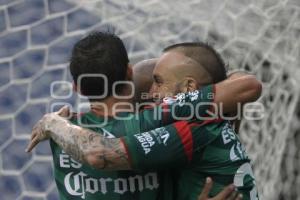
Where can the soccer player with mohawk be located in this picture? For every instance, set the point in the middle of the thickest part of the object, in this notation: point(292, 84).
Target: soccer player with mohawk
point(150, 147)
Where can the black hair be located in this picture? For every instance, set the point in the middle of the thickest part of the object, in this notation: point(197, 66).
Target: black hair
point(205, 55)
point(100, 53)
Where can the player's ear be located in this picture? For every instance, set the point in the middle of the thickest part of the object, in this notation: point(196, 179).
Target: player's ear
point(188, 84)
point(75, 88)
point(129, 72)
point(192, 84)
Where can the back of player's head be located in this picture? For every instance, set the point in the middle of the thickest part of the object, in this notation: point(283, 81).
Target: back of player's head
point(142, 78)
point(100, 53)
point(205, 55)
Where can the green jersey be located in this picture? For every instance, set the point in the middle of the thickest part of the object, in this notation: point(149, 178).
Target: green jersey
point(195, 151)
point(224, 160)
point(79, 181)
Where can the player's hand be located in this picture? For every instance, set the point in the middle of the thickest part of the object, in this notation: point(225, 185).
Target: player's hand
point(39, 132)
point(64, 112)
point(227, 193)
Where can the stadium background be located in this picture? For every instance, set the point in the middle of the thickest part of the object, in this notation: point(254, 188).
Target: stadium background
point(36, 37)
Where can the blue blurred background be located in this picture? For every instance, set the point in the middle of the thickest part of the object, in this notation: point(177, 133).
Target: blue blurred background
point(36, 38)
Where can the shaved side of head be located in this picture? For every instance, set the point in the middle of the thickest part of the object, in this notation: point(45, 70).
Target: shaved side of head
point(205, 56)
point(142, 77)
point(144, 67)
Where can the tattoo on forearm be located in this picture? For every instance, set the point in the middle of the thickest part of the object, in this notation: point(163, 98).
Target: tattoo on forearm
point(89, 147)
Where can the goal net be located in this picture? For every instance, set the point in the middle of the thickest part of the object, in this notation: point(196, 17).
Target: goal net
point(36, 36)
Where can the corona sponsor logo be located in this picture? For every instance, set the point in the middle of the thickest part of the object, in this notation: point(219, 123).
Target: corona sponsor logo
point(80, 184)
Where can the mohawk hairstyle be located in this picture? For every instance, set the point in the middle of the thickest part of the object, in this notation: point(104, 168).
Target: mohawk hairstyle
point(205, 55)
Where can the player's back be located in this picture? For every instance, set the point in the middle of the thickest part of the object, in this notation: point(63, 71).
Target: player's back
point(78, 181)
point(224, 160)
point(139, 185)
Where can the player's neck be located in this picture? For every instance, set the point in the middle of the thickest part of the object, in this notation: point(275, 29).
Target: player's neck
point(112, 105)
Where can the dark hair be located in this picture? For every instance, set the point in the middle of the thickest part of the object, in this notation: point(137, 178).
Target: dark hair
point(205, 55)
point(99, 53)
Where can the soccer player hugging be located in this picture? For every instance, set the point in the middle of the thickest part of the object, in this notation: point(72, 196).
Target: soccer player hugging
point(164, 151)
point(205, 146)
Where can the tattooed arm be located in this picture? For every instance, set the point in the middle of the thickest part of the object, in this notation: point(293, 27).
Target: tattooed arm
point(81, 144)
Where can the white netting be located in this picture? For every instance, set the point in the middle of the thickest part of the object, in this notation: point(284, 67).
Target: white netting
point(257, 35)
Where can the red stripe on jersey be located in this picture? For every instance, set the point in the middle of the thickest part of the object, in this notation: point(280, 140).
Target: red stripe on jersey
point(186, 136)
point(127, 152)
point(165, 111)
point(147, 107)
point(211, 121)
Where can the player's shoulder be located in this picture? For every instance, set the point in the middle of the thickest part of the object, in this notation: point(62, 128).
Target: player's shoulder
point(75, 117)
